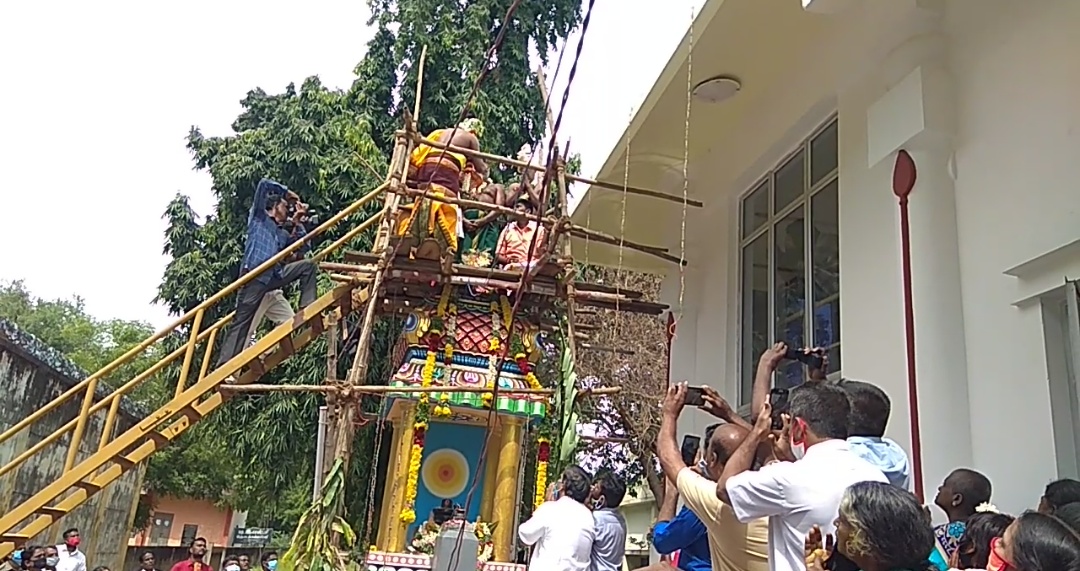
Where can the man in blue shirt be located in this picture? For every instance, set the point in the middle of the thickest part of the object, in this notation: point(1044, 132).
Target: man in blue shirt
point(684, 532)
point(609, 546)
point(265, 239)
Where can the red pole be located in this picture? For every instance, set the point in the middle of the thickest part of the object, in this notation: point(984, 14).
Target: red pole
point(670, 332)
point(904, 175)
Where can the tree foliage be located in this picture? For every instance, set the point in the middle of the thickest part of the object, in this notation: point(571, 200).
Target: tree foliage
point(331, 147)
point(631, 418)
point(92, 343)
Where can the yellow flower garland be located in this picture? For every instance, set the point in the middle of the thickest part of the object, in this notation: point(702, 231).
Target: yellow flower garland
point(427, 374)
point(408, 515)
point(541, 483)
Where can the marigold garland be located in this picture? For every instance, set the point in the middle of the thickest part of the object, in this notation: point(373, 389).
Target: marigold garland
point(408, 513)
point(542, 457)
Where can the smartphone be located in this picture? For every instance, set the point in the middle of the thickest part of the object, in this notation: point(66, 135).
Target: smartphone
point(690, 446)
point(812, 360)
point(778, 400)
point(695, 396)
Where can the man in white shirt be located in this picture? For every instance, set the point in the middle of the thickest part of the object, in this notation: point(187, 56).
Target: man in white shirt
point(805, 490)
point(71, 559)
point(561, 529)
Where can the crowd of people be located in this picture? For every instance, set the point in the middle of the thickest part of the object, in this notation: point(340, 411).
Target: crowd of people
point(811, 483)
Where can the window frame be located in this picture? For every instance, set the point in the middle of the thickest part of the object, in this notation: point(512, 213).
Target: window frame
point(767, 228)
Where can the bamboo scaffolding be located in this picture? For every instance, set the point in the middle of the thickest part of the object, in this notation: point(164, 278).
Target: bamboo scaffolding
point(383, 389)
point(526, 166)
point(581, 232)
point(548, 222)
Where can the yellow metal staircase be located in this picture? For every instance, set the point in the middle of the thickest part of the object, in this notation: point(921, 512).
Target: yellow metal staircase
point(192, 401)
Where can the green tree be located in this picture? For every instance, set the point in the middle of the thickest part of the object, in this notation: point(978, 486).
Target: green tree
point(92, 343)
point(458, 37)
point(331, 147)
point(312, 141)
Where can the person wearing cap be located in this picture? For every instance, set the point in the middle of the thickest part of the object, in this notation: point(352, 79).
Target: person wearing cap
point(516, 239)
point(439, 172)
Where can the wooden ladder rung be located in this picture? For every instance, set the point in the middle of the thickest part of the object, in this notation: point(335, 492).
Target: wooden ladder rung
point(52, 511)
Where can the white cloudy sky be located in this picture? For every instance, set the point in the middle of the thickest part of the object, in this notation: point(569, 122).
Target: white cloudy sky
point(97, 97)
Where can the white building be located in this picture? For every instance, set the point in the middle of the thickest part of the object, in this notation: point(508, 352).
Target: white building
point(640, 510)
point(795, 170)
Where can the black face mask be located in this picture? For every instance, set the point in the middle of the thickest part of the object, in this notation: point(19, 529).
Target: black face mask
point(38, 564)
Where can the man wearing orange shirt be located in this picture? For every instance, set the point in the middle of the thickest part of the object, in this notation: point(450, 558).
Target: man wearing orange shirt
point(512, 252)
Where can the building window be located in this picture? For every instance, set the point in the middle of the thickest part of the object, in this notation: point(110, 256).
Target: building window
point(790, 259)
point(189, 533)
point(162, 526)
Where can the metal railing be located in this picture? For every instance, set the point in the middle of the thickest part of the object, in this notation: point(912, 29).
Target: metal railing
point(196, 336)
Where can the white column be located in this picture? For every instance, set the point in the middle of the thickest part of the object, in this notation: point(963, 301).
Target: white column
point(916, 114)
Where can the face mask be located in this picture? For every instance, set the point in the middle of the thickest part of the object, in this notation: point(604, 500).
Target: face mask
point(72, 542)
point(38, 564)
point(17, 558)
point(599, 503)
point(51, 561)
point(702, 466)
point(996, 562)
point(798, 449)
point(232, 568)
point(271, 565)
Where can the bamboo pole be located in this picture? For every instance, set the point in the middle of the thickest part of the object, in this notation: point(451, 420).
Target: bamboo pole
point(661, 253)
point(524, 165)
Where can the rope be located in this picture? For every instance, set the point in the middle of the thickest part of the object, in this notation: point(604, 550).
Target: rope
point(484, 70)
point(686, 163)
point(505, 345)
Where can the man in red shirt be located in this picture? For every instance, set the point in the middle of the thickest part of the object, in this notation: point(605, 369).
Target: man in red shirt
point(194, 562)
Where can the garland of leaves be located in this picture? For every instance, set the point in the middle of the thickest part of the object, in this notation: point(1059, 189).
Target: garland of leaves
point(312, 547)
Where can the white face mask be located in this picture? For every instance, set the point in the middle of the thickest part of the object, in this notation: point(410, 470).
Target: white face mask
point(798, 450)
point(232, 568)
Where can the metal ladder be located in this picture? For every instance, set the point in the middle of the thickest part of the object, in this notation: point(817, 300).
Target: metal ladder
point(114, 457)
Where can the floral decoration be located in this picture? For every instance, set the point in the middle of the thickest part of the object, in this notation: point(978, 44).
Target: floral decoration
point(408, 513)
point(543, 455)
point(426, 535)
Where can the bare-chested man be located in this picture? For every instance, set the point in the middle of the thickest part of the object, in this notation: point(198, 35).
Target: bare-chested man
point(482, 228)
point(439, 172)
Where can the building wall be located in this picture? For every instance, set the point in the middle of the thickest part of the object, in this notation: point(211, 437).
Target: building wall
point(992, 126)
point(212, 522)
point(32, 375)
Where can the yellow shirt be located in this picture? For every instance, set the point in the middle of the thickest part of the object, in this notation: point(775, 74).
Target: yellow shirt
point(734, 546)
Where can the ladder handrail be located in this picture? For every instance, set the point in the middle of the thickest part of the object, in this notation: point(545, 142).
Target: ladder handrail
point(235, 285)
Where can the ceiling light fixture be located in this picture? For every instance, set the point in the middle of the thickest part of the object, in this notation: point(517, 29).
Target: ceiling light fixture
point(717, 89)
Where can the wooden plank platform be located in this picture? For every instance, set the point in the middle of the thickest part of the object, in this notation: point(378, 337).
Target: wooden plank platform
point(409, 282)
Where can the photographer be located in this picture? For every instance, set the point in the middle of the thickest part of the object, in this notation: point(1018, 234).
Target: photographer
point(804, 488)
point(733, 545)
point(265, 239)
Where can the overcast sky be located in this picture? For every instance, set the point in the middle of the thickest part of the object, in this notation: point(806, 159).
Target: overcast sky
point(97, 98)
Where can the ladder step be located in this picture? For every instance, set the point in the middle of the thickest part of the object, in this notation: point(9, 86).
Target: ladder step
point(124, 462)
point(157, 437)
point(90, 487)
point(192, 414)
point(16, 538)
point(52, 511)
